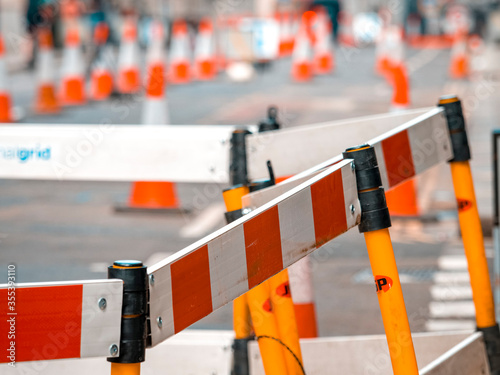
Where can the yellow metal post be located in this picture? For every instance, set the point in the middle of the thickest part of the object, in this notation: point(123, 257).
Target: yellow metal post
point(266, 330)
point(375, 220)
point(470, 227)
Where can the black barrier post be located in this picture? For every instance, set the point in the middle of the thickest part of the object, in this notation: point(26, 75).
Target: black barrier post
point(134, 316)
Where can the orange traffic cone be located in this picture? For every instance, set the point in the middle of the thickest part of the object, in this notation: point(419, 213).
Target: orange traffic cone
point(323, 48)
point(46, 100)
point(401, 87)
point(180, 65)
point(302, 289)
point(205, 61)
point(301, 58)
point(402, 200)
point(346, 32)
point(128, 77)
point(101, 85)
point(155, 109)
point(459, 67)
point(5, 98)
point(286, 34)
point(154, 196)
point(73, 75)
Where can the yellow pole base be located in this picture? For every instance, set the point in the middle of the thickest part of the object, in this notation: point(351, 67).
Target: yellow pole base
point(390, 298)
point(125, 368)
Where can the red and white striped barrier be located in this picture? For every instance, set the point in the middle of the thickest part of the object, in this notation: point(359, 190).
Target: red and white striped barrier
point(45, 321)
point(212, 272)
point(411, 142)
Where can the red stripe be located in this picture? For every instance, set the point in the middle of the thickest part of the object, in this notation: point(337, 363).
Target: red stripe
point(398, 158)
point(263, 246)
point(47, 324)
point(328, 208)
point(191, 291)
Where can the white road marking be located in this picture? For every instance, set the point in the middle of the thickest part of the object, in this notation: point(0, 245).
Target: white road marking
point(462, 309)
point(450, 325)
point(451, 277)
point(206, 221)
point(156, 258)
point(449, 293)
point(452, 263)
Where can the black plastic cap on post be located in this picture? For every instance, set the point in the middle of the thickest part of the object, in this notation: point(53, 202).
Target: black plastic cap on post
point(271, 123)
point(456, 125)
point(238, 173)
point(491, 337)
point(134, 310)
point(374, 211)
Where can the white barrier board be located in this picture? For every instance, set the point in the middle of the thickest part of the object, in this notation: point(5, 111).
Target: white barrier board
point(115, 153)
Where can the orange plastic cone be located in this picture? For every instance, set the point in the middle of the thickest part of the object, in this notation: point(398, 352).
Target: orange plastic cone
point(147, 195)
point(155, 195)
point(205, 61)
point(346, 32)
point(46, 100)
point(302, 290)
point(459, 66)
point(302, 53)
point(286, 34)
point(323, 48)
point(128, 76)
point(101, 85)
point(402, 200)
point(73, 75)
point(401, 87)
point(180, 65)
point(155, 108)
point(5, 98)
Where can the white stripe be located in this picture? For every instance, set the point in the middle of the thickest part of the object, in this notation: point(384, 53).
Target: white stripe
point(451, 277)
point(450, 325)
point(430, 143)
point(228, 266)
point(100, 328)
point(206, 221)
point(464, 309)
point(443, 292)
point(296, 227)
point(98, 267)
point(301, 285)
point(452, 262)
point(161, 304)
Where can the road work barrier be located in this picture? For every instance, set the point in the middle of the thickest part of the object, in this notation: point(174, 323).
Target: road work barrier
point(301, 215)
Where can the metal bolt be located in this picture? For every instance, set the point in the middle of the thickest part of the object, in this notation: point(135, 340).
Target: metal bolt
point(152, 279)
point(353, 209)
point(353, 167)
point(159, 322)
point(113, 350)
point(246, 211)
point(102, 303)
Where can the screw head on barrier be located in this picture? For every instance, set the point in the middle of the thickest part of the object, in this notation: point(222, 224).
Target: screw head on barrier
point(102, 303)
point(113, 350)
point(352, 208)
point(159, 322)
point(128, 263)
point(152, 279)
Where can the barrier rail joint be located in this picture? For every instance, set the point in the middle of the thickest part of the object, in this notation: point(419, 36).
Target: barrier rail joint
point(133, 339)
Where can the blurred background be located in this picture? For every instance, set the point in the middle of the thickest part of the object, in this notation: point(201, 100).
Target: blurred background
point(224, 62)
